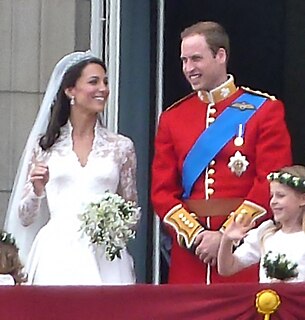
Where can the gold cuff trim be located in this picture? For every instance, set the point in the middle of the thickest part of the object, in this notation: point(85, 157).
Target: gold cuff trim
point(185, 224)
point(246, 213)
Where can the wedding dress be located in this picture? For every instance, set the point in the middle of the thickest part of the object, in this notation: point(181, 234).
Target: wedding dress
point(6, 280)
point(61, 254)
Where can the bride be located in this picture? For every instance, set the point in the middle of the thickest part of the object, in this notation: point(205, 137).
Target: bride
point(70, 160)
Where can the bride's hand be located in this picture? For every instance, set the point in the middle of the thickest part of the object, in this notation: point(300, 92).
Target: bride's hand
point(39, 178)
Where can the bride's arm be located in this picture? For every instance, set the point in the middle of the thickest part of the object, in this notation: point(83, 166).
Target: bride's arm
point(33, 192)
point(128, 187)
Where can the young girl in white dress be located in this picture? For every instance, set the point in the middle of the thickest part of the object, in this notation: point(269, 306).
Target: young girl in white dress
point(282, 238)
point(11, 268)
point(69, 162)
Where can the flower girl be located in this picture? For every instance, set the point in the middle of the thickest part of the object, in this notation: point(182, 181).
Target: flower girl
point(10, 265)
point(275, 244)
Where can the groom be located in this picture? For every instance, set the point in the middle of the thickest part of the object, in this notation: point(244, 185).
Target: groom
point(213, 150)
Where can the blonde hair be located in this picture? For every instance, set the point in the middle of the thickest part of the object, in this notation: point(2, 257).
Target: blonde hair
point(296, 171)
point(10, 262)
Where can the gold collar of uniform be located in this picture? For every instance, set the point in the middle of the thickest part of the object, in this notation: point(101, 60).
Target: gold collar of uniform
point(220, 93)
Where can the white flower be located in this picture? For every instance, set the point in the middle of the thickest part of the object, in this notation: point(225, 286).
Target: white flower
point(295, 181)
point(286, 175)
point(110, 222)
point(276, 175)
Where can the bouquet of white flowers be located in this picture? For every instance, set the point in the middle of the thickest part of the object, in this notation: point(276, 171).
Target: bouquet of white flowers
point(110, 222)
point(279, 267)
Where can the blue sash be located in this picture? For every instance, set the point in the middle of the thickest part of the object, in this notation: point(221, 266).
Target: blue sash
point(215, 137)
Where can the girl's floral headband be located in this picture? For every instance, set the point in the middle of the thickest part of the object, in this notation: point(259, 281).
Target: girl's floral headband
point(290, 180)
point(7, 238)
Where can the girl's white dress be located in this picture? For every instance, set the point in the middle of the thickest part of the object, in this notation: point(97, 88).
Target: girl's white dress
point(61, 254)
point(6, 280)
point(255, 247)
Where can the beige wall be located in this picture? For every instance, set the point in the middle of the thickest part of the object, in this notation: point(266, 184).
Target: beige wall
point(34, 35)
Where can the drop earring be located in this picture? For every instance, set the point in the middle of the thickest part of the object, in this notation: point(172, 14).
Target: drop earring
point(72, 101)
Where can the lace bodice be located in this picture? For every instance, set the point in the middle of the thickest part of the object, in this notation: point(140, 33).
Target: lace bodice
point(111, 166)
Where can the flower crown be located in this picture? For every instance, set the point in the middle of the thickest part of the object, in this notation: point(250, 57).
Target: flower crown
point(290, 180)
point(7, 238)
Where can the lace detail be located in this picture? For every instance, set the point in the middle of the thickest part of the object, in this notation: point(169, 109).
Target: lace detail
point(29, 208)
point(30, 202)
point(107, 144)
point(113, 150)
point(127, 186)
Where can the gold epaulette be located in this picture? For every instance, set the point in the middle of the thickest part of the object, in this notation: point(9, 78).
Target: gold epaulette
point(246, 213)
point(185, 224)
point(259, 93)
point(176, 103)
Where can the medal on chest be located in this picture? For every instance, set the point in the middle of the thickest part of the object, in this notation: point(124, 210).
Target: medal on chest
point(238, 163)
point(239, 140)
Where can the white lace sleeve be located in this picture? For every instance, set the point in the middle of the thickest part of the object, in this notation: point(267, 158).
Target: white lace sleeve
point(128, 186)
point(30, 202)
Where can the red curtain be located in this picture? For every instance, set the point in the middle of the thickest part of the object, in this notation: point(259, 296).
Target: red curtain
point(148, 302)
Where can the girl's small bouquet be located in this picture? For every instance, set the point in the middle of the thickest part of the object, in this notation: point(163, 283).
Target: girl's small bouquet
point(110, 222)
point(279, 267)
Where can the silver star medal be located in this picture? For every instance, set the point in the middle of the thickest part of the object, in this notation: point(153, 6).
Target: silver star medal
point(238, 163)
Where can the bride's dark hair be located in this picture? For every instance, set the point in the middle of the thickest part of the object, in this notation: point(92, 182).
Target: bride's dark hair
point(60, 110)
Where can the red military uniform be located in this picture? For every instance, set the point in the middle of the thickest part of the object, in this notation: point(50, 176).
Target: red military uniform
point(266, 147)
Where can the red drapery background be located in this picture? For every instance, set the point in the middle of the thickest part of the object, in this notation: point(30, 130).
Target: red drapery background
point(148, 302)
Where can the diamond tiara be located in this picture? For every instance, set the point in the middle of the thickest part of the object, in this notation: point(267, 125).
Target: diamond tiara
point(79, 56)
